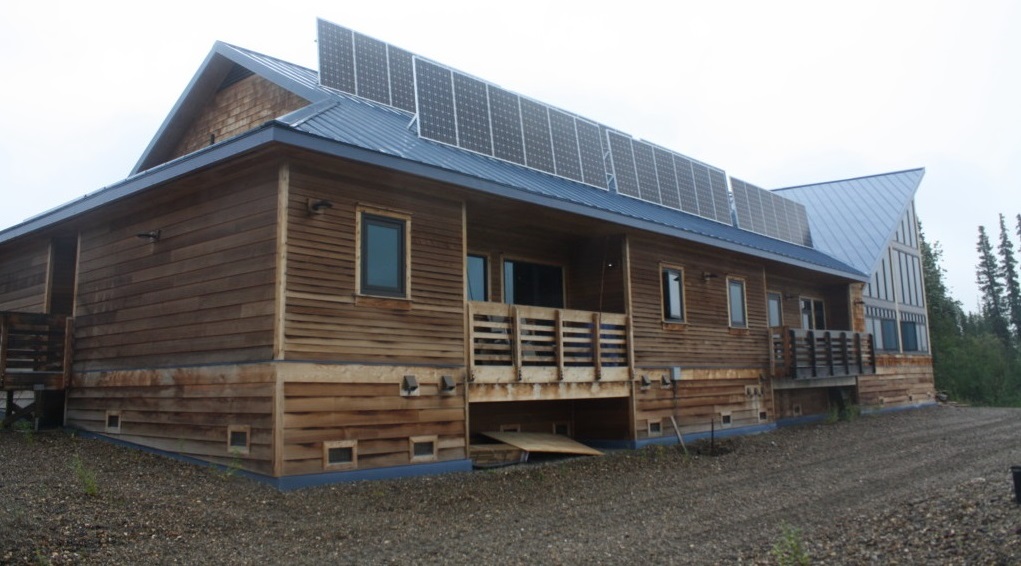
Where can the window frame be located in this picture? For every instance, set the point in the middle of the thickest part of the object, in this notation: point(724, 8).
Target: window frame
point(665, 268)
point(744, 302)
point(339, 466)
point(240, 429)
point(430, 439)
point(814, 322)
point(779, 301)
point(365, 216)
point(504, 260)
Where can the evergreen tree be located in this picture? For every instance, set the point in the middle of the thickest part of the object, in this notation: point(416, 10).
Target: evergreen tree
point(988, 279)
point(1008, 270)
point(946, 323)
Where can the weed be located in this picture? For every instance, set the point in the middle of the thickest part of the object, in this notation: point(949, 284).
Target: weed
point(41, 558)
point(85, 475)
point(790, 550)
point(234, 465)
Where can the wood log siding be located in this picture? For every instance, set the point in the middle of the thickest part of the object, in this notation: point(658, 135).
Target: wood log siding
point(203, 293)
point(899, 380)
point(700, 399)
point(23, 268)
point(325, 319)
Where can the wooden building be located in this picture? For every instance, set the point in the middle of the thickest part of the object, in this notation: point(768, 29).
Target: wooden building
point(355, 273)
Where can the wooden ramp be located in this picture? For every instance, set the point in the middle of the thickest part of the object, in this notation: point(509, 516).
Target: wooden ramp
point(543, 442)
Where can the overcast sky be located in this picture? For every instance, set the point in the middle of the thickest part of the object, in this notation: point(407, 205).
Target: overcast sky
point(777, 93)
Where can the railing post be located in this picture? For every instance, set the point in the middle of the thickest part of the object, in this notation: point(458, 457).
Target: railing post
point(789, 353)
point(597, 346)
point(516, 347)
point(845, 357)
point(558, 346)
point(812, 357)
point(68, 351)
point(5, 331)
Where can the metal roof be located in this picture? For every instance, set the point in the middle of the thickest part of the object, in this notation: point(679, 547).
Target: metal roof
point(854, 219)
point(344, 125)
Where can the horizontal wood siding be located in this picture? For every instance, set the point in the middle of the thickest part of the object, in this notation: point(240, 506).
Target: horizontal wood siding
point(699, 401)
point(186, 410)
point(793, 403)
point(23, 267)
point(364, 404)
point(325, 319)
point(203, 293)
point(899, 380)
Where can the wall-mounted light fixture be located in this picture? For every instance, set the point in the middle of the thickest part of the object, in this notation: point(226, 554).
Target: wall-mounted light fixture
point(318, 206)
point(666, 381)
point(152, 235)
point(707, 275)
point(409, 384)
point(447, 384)
point(646, 382)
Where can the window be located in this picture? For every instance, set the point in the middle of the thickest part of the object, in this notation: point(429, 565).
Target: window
point(383, 261)
point(113, 422)
point(774, 309)
point(909, 336)
point(888, 338)
point(476, 278)
point(340, 455)
point(655, 428)
point(813, 314)
point(533, 284)
point(238, 439)
point(422, 448)
point(736, 304)
point(673, 294)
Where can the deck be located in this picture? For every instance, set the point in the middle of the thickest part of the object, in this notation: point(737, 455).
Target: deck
point(35, 356)
point(821, 354)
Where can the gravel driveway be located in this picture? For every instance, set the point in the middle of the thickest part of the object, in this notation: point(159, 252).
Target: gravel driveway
point(929, 486)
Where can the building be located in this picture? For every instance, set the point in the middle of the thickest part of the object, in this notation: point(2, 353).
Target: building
point(357, 272)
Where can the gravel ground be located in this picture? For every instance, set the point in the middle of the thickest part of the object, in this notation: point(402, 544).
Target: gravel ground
point(917, 487)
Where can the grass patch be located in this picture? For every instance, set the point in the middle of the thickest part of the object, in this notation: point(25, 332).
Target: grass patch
point(790, 550)
point(85, 475)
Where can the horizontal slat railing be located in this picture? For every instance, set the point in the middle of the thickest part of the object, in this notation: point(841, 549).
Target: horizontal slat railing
point(821, 353)
point(561, 340)
point(35, 350)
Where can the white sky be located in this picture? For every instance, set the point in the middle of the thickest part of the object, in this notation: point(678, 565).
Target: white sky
point(777, 93)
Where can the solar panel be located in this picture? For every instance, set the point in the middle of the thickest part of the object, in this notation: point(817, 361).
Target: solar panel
point(806, 232)
point(624, 172)
point(565, 145)
point(645, 163)
point(472, 109)
point(770, 227)
point(402, 78)
point(535, 125)
point(505, 118)
point(686, 184)
point(435, 102)
point(372, 75)
point(703, 190)
point(721, 196)
point(780, 209)
point(770, 214)
point(593, 170)
point(336, 57)
point(741, 207)
point(667, 177)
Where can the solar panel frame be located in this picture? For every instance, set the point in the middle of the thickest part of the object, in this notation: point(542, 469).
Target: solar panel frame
point(667, 177)
point(537, 136)
point(505, 123)
point(471, 104)
point(645, 165)
point(402, 78)
point(780, 209)
point(771, 228)
point(721, 195)
point(434, 99)
point(564, 138)
point(622, 158)
point(590, 152)
point(703, 190)
point(372, 72)
point(686, 184)
point(741, 210)
point(336, 57)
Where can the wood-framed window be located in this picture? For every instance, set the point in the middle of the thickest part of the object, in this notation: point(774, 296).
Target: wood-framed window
point(533, 284)
point(340, 455)
point(239, 439)
point(655, 427)
point(113, 422)
point(813, 313)
point(423, 448)
point(774, 309)
point(672, 290)
point(383, 253)
point(476, 277)
point(737, 306)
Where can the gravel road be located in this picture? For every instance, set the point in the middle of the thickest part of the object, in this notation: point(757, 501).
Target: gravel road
point(929, 486)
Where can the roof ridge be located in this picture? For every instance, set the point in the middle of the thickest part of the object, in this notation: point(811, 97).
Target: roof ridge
point(922, 169)
point(251, 52)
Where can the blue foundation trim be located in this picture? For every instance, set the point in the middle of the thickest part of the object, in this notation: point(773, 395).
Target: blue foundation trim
point(299, 482)
point(802, 420)
point(670, 439)
point(880, 410)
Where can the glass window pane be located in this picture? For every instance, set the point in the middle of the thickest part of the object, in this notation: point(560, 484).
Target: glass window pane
point(673, 295)
point(382, 255)
point(909, 336)
point(477, 273)
point(737, 314)
point(774, 309)
point(533, 284)
point(889, 337)
point(820, 314)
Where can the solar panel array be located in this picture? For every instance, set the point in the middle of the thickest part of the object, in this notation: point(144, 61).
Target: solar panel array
point(770, 214)
point(460, 110)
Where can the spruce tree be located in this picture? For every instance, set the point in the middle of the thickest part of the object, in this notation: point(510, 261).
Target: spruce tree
point(1008, 271)
point(988, 279)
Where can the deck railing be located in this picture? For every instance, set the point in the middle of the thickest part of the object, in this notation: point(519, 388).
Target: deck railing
point(821, 353)
point(35, 351)
point(535, 344)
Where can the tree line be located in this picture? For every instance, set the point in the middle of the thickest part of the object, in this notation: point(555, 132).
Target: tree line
point(977, 356)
